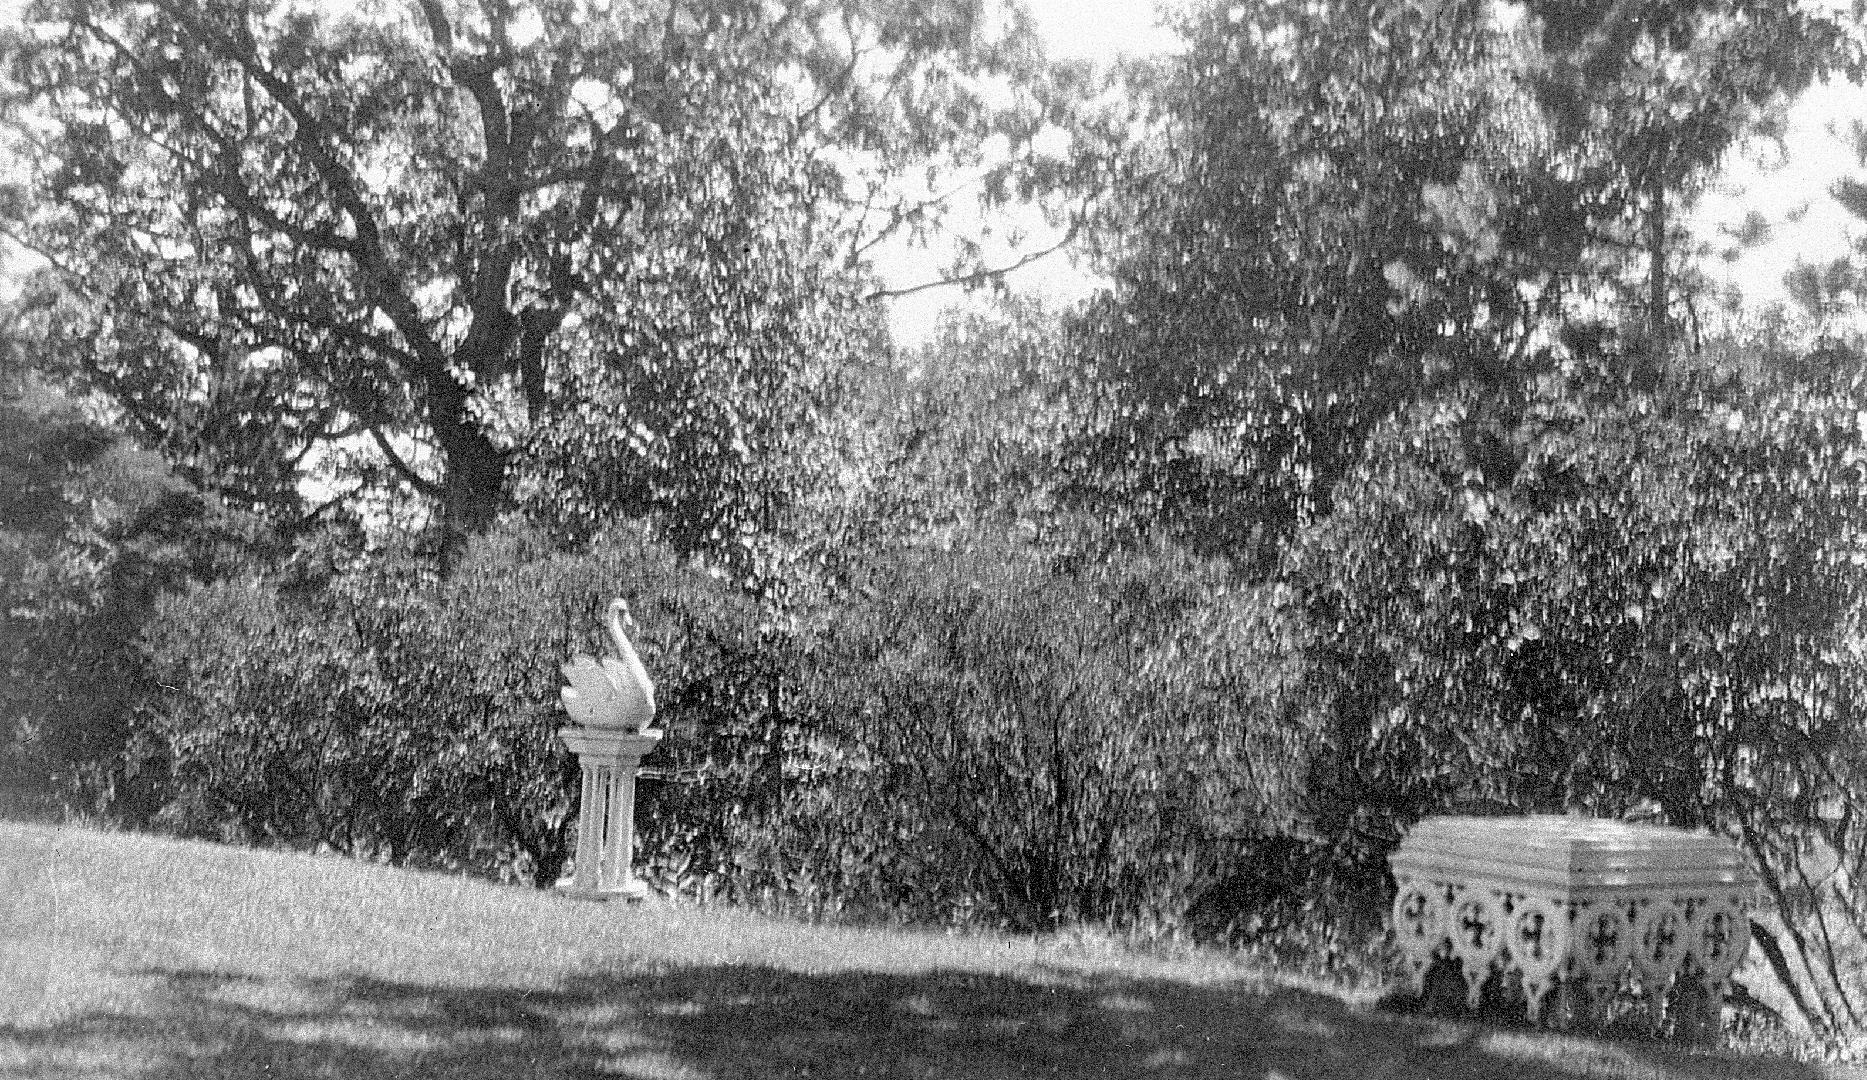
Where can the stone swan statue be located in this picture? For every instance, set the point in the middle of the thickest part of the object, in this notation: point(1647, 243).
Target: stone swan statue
point(614, 692)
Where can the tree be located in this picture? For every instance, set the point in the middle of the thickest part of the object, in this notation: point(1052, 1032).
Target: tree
point(91, 530)
point(966, 431)
point(1396, 324)
point(427, 229)
point(1355, 206)
point(1644, 99)
point(1280, 282)
point(1661, 602)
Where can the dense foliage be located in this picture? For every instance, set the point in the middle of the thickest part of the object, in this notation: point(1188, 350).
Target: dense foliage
point(423, 247)
point(1054, 745)
point(1656, 598)
point(92, 530)
point(1394, 471)
point(391, 714)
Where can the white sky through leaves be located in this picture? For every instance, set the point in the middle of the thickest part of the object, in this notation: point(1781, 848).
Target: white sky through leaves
point(1787, 185)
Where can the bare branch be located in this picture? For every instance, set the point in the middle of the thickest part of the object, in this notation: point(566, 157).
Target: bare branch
point(315, 140)
point(978, 276)
point(901, 215)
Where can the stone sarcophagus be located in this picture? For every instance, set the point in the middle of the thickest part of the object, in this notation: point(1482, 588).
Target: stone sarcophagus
point(1590, 907)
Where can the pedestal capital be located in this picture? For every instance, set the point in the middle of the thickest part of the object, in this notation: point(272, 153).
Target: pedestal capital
point(609, 743)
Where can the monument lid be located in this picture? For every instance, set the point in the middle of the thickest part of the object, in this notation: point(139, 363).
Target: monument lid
point(1570, 853)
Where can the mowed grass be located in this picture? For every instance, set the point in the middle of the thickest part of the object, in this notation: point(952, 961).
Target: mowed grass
point(132, 956)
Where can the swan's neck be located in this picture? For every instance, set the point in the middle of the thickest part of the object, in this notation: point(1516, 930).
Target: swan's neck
point(617, 610)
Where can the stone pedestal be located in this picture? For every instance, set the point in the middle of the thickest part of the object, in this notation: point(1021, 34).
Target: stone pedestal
point(606, 819)
point(1599, 910)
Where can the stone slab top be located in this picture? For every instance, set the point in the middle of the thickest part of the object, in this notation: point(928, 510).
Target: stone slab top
point(1569, 854)
point(599, 742)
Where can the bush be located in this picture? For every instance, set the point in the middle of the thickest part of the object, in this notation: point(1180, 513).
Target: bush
point(1601, 597)
point(396, 716)
point(998, 737)
point(91, 530)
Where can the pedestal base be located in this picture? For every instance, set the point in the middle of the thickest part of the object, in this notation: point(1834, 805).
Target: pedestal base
point(629, 892)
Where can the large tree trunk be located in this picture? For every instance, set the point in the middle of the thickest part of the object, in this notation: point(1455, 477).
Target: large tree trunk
point(474, 482)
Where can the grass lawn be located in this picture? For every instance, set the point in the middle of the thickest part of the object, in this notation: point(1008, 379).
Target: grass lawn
point(137, 957)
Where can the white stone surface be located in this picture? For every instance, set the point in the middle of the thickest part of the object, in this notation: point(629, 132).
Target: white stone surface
point(1580, 904)
point(612, 702)
point(604, 868)
point(614, 691)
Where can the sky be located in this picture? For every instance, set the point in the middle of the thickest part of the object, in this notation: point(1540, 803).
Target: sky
point(1096, 30)
point(1099, 29)
point(1789, 186)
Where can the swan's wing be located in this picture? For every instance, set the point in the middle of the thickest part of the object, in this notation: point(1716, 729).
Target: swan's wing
point(638, 676)
point(591, 698)
point(635, 695)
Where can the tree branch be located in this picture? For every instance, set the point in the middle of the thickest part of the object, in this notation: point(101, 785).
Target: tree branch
point(841, 82)
point(228, 184)
point(266, 290)
point(313, 139)
point(901, 215)
point(486, 273)
point(402, 468)
point(977, 276)
point(438, 27)
point(306, 519)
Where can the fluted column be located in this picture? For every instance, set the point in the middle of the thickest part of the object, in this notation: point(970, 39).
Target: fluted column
point(606, 815)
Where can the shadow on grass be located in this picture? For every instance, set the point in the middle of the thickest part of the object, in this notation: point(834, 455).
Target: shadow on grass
point(751, 1021)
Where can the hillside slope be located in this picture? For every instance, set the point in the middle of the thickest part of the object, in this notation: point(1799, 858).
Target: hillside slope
point(124, 955)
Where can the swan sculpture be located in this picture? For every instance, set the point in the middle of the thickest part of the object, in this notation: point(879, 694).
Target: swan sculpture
point(614, 692)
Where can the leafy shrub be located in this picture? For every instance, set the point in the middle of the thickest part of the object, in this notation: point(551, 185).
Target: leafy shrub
point(267, 715)
point(397, 716)
point(91, 530)
point(1038, 747)
point(1598, 598)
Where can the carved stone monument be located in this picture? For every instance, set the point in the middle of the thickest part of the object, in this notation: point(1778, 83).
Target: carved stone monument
point(1595, 910)
point(611, 703)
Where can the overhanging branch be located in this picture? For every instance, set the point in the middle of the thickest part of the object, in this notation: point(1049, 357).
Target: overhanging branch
point(378, 276)
point(977, 276)
point(901, 215)
point(403, 469)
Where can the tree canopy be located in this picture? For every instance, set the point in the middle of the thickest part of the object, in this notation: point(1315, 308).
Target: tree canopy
point(455, 233)
point(1352, 205)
